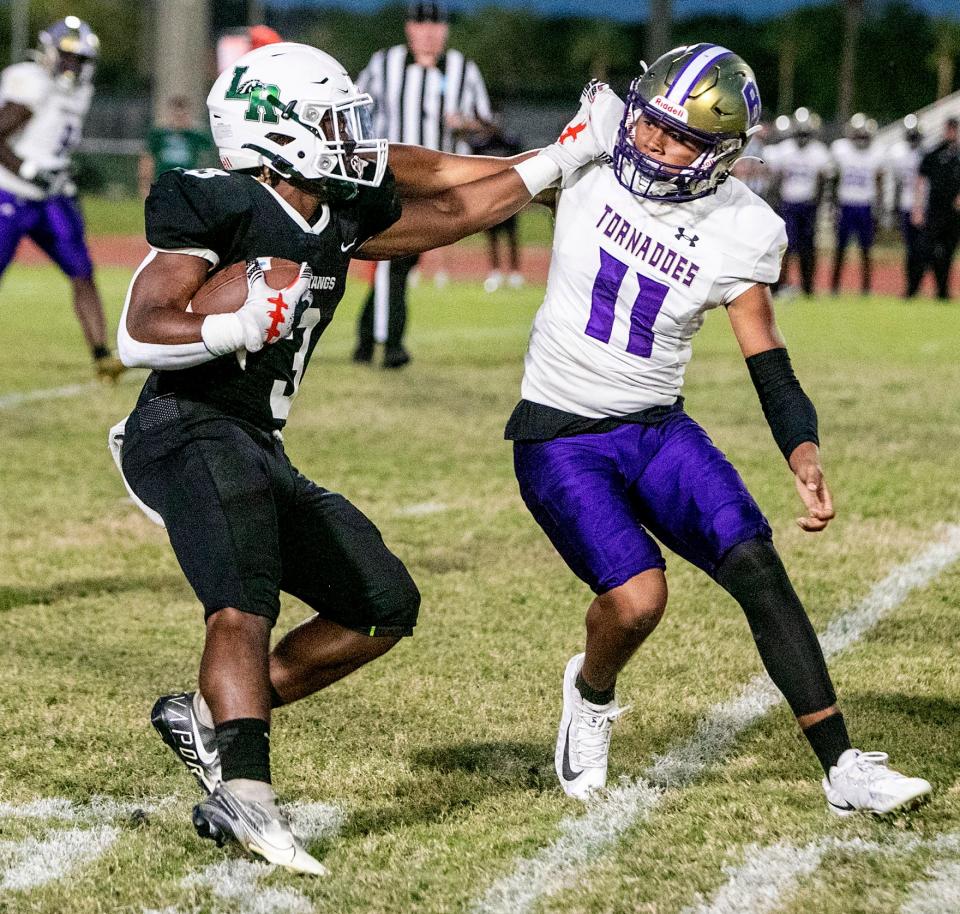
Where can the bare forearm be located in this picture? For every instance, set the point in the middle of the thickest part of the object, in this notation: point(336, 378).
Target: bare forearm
point(422, 172)
point(449, 216)
point(157, 313)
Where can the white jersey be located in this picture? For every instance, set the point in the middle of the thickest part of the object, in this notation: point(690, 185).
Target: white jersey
point(904, 163)
point(629, 285)
point(856, 171)
point(799, 168)
point(54, 131)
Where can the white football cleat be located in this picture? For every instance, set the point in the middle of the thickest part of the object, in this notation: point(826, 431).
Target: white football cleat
point(863, 782)
point(259, 828)
point(583, 742)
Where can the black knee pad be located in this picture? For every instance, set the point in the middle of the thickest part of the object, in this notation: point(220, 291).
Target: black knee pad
point(754, 576)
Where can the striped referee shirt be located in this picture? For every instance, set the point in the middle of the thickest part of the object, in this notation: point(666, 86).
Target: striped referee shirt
point(412, 103)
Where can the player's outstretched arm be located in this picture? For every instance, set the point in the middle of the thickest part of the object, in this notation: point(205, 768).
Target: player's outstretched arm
point(462, 209)
point(446, 217)
point(422, 172)
point(788, 410)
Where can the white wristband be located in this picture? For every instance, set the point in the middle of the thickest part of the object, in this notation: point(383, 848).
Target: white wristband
point(28, 170)
point(222, 333)
point(538, 173)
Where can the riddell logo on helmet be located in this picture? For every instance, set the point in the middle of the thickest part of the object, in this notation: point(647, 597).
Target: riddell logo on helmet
point(670, 108)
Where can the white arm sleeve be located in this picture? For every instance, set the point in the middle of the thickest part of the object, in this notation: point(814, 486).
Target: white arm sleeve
point(162, 357)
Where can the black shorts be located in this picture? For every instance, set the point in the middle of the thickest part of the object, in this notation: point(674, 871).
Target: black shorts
point(245, 524)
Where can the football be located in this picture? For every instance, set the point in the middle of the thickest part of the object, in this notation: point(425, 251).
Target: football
point(226, 290)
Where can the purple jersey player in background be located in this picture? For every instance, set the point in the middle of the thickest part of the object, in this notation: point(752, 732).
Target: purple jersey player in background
point(43, 104)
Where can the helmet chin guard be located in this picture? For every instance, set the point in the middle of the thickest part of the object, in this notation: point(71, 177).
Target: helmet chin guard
point(706, 94)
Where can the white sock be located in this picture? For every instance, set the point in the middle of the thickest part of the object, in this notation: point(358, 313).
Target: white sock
point(251, 791)
point(202, 710)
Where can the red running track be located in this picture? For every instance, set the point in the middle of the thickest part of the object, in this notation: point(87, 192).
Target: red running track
point(470, 262)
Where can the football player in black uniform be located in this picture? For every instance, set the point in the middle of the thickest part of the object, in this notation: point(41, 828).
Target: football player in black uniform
point(202, 451)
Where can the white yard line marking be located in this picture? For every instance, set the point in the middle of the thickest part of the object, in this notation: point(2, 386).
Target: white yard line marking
point(31, 863)
point(422, 509)
point(768, 876)
point(237, 882)
point(581, 837)
point(938, 893)
point(9, 401)
point(760, 884)
point(19, 397)
point(315, 821)
point(99, 809)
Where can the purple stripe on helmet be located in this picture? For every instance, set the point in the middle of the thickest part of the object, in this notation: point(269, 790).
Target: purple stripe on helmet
point(693, 71)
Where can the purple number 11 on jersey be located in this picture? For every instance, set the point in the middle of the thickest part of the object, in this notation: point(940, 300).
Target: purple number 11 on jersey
point(606, 291)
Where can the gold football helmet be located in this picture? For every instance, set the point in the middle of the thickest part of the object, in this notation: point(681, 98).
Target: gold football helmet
point(704, 92)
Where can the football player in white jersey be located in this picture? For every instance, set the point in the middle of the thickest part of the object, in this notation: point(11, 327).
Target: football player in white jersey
point(648, 238)
point(858, 169)
point(43, 104)
point(904, 158)
point(800, 165)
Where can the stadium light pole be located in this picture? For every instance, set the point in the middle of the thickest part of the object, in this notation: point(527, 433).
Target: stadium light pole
point(659, 29)
point(852, 16)
point(256, 12)
point(19, 29)
point(182, 52)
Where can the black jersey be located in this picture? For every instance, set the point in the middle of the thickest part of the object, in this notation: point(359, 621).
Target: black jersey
point(229, 218)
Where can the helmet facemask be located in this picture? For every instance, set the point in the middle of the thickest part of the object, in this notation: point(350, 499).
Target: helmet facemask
point(649, 177)
point(68, 50)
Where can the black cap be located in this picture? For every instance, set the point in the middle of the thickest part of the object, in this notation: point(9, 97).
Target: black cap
point(427, 11)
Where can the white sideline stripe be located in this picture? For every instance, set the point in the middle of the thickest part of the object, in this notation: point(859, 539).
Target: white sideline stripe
point(581, 837)
point(938, 893)
point(315, 821)
point(31, 863)
point(763, 883)
point(237, 881)
point(422, 509)
point(766, 876)
point(8, 401)
point(18, 398)
point(99, 809)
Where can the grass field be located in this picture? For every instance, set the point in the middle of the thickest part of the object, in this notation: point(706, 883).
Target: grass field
point(427, 778)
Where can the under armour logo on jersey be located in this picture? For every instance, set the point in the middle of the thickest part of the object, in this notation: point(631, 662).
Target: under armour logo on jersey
point(690, 239)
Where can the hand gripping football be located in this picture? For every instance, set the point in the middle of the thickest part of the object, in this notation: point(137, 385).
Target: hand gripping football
point(226, 291)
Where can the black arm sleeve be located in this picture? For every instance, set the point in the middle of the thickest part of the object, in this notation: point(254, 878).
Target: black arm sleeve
point(788, 410)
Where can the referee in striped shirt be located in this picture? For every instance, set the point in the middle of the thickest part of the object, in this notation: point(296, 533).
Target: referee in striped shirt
point(424, 94)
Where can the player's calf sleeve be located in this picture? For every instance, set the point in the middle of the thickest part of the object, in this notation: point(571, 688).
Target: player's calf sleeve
point(754, 576)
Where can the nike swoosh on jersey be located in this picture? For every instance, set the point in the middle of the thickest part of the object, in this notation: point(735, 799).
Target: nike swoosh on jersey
point(346, 247)
point(568, 773)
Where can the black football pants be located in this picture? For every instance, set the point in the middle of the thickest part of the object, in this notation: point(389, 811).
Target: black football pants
point(390, 285)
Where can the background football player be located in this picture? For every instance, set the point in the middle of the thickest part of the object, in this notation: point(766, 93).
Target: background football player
point(647, 239)
point(858, 175)
point(800, 165)
point(43, 104)
point(203, 448)
point(904, 165)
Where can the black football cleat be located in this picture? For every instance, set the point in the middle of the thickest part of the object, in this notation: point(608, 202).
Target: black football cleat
point(395, 357)
point(193, 743)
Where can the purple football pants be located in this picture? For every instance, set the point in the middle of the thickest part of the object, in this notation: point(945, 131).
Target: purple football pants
point(55, 225)
point(599, 497)
point(855, 221)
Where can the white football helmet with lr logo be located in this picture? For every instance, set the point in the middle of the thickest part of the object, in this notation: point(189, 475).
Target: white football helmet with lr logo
point(294, 109)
